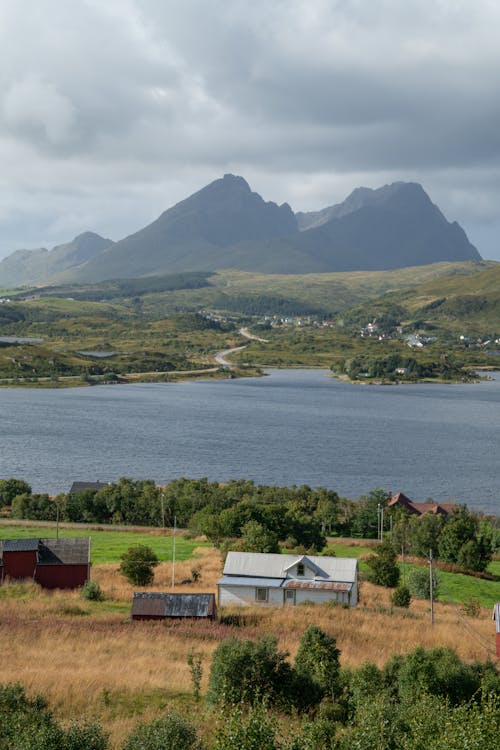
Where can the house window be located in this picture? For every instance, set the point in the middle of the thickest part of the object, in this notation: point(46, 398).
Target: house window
point(261, 595)
point(300, 569)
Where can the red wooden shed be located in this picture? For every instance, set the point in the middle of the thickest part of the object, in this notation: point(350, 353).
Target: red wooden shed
point(53, 563)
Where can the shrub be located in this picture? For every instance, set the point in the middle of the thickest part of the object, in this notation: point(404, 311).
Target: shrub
point(137, 565)
point(383, 569)
point(401, 597)
point(248, 671)
point(171, 732)
point(92, 591)
point(472, 607)
point(253, 728)
point(318, 660)
point(420, 585)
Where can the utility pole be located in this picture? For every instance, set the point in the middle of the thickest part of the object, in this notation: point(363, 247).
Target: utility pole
point(378, 522)
point(173, 554)
point(57, 519)
point(162, 511)
point(431, 592)
point(403, 560)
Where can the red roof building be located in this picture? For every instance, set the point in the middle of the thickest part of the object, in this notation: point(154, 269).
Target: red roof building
point(420, 509)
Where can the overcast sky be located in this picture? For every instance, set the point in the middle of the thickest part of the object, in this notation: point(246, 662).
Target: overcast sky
point(111, 111)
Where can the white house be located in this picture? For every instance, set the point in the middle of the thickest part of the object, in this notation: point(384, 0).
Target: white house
point(254, 577)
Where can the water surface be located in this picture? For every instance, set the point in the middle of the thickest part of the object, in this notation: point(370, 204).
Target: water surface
point(292, 427)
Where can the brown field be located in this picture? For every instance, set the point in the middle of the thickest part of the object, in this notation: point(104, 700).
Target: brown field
point(90, 660)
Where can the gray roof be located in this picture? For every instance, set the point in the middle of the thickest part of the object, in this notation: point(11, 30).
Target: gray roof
point(68, 551)
point(77, 487)
point(19, 545)
point(261, 565)
point(173, 605)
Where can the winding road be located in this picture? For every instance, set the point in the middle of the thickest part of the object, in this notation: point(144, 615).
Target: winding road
point(220, 357)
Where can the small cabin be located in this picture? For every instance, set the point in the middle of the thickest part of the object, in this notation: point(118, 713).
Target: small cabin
point(158, 606)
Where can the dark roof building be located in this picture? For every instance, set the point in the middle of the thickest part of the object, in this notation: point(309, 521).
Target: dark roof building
point(53, 563)
point(77, 487)
point(157, 606)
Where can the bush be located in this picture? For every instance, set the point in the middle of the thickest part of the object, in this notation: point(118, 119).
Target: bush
point(383, 569)
point(401, 597)
point(171, 732)
point(253, 728)
point(317, 660)
point(249, 671)
point(420, 585)
point(137, 565)
point(92, 591)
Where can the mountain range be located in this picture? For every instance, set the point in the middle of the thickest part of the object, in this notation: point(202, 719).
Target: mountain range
point(226, 225)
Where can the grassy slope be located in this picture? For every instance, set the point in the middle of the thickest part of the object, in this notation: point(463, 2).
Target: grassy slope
point(329, 291)
point(62, 642)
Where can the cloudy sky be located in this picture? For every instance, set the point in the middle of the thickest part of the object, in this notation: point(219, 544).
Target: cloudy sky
point(113, 110)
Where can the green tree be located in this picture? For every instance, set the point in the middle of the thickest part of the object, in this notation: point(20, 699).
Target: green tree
point(138, 563)
point(365, 521)
point(11, 488)
point(318, 660)
point(256, 538)
point(383, 569)
point(460, 528)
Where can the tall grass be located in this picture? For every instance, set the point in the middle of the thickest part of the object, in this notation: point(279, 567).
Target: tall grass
point(89, 659)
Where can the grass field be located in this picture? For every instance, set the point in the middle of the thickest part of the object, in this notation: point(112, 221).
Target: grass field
point(91, 661)
point(108, 545)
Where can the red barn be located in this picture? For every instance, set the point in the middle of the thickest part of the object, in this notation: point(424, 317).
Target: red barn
point(53, 563)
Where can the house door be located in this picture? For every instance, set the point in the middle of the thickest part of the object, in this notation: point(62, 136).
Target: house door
point(289, 596)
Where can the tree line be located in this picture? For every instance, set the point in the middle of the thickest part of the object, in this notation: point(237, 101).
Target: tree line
point(263, 518)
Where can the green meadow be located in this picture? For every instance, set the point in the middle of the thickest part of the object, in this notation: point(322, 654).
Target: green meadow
point(108, 546)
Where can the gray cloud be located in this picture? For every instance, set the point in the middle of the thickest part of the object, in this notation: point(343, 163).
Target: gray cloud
point(111, 112)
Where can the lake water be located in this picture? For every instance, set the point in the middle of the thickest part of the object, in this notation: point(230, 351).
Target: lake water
point(292, 427)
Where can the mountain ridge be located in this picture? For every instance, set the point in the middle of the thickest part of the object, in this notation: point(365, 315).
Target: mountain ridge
point(227, 225)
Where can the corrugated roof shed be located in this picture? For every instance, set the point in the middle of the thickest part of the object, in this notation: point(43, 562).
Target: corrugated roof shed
point(145, 604)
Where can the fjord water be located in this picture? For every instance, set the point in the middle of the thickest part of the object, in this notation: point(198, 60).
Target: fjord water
point(291, 427)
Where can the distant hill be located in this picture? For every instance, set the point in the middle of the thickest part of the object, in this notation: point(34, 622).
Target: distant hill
point(466, 304)
point(226, 225)
point(38, 266)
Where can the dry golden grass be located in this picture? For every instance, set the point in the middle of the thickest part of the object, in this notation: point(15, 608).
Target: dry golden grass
point(90, 660)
